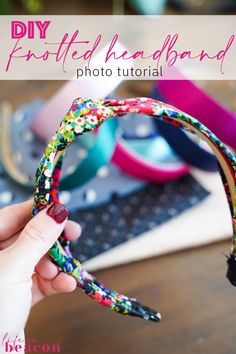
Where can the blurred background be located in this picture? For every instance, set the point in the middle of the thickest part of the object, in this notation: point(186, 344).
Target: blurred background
point(128, 7)
point(163, 242)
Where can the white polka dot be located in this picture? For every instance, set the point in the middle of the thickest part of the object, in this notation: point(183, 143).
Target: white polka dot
point(6, 197)
point(129, 236)
point(70, 169)
point(65, 197)
point(89, 242)
point(82, 258)
point(151, 224)
point(105, 246)
point(27, 136)
point(103, 172)
point(98, 229)
point(18, 157)
point(172, 211)
point(82, 153)
point(142, 130)
point(19, 116)
point(136, 222)
point(193, 200)
point(90, 196)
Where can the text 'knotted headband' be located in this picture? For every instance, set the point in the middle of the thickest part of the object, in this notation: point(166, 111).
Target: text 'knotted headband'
point(84, 116)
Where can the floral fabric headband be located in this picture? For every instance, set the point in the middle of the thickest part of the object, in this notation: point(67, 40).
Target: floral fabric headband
point(84, 116)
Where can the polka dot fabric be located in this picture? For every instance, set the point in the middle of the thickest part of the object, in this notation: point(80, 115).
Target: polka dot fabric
point(123, 219)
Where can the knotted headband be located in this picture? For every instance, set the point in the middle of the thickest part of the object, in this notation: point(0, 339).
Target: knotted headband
point(84, 116)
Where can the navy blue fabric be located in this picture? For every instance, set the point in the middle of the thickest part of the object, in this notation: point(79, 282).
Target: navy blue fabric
point(125, 218)
point(183, 145)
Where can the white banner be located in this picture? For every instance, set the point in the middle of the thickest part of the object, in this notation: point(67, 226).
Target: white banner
point(153, 47)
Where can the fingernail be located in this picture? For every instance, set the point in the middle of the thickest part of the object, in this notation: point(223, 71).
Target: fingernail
point(58, 212)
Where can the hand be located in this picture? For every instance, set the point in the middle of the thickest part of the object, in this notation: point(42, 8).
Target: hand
point(27, 273)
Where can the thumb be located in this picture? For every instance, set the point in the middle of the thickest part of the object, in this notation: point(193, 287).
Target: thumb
point(39, 235)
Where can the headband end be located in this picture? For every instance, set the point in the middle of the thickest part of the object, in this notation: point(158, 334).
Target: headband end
point(144, 312)
point(231, 272)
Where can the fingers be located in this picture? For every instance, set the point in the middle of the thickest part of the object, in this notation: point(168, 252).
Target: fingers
point(42, 287)
point(46, 267)
point(48, 280)
point(72, 230)
point(14, 218)
point(63, 283)
point(8, 242)
point(38, 236)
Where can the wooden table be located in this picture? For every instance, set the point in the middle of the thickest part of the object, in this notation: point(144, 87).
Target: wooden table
point(189, 288)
